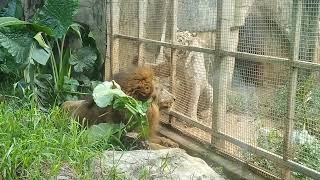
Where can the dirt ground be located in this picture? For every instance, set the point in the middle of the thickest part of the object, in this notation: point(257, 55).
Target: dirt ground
point(242, 127)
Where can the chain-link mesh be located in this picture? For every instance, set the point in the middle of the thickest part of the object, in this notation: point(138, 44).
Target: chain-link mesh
point(243, 91)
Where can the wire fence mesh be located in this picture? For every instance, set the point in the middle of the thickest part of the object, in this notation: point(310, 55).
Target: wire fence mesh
point(234, 63)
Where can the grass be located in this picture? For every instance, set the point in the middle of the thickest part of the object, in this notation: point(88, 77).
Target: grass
point(35, 145)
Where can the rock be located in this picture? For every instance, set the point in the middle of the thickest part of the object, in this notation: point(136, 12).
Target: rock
point(151, 164)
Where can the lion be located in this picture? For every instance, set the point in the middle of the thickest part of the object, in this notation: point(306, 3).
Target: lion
point(137, 82)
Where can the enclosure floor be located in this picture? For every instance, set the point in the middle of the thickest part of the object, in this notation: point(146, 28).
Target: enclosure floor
point(242, 127)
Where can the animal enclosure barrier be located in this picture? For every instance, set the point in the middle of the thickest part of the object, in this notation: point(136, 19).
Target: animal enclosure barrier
point(245, 74)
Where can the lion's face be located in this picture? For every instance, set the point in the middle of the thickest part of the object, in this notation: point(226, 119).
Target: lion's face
point(141, 89)
point(141, 85)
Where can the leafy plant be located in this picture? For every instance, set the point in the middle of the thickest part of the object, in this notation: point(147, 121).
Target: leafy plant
point(35, 145)
point(110, 94)
point(105, 133)
point(8, 67)
point(307, 150)
point(52, 37)
point(307, 103)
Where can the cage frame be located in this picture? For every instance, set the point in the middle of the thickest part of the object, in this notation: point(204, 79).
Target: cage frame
point(284, 160)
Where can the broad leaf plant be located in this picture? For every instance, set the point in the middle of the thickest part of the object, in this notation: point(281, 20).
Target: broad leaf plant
point(49, 48)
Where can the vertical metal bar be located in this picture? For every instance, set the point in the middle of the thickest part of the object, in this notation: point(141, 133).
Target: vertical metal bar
point(287, 147)
point(173, 57)
point(107, 65)
point(114, 42)
point(141, 31)
point(111, 37)
point(220, 70)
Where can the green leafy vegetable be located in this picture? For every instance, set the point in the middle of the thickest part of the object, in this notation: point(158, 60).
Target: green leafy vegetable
point(103, 131)
point(104, 93)
point(110, 93)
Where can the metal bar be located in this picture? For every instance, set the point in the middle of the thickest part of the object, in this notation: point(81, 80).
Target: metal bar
point(221, 68)
point(287, 139)
point(107, 65)
point(216, 117)
point(173, 57)
point(238, 55)
point(184, 118)
point(141, 29)
point(111, 37)
point(273, 157)
point(166, 44)
point(114, 41)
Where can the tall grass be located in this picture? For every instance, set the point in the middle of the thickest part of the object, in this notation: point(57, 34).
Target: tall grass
point(34, 145)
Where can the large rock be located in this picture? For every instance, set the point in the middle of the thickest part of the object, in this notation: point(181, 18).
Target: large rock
point(152, 164)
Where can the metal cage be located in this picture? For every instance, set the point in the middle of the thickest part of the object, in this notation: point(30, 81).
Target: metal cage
point(244, 72)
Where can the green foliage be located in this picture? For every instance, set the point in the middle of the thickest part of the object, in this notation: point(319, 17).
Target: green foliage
point(136, 113)
point(307, 103)
point(105, 133)
point(70, 84)
point(105, 93)
point(34, 145)
point(7, 64)
point(309, 155)
point(57, 15)
point(9, 21)
point(52, 37)
point(21, 44)
point(83, 59)
point(110, 93)
point(12, 9)
point(271, 140)
point(306, 132)
point(306, 153)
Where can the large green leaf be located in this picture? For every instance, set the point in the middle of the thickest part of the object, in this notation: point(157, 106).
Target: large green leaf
point(9, 21)
point(70, 84)
point(18, 42)
point(103, 94)
point(83, 59)
point(13, 9)
point(57, 14)
point(39, 54)
point(21, 44)
point(103, 131)
point(7, 63)
point(76, 28)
